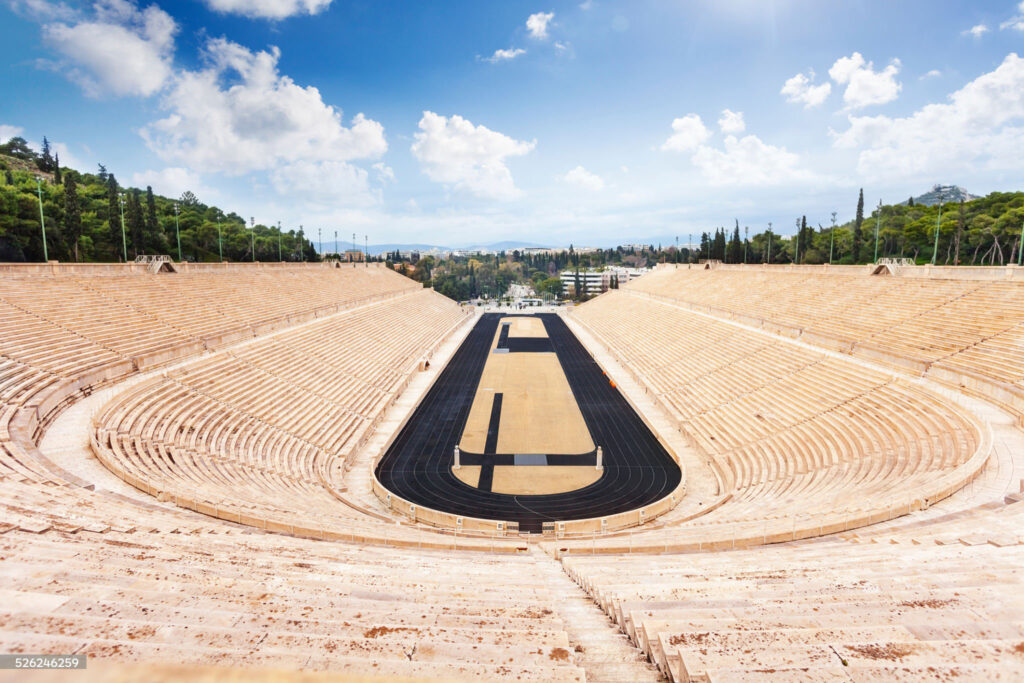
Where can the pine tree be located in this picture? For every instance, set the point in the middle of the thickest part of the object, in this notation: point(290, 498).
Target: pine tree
point(45, 162)
point(57, 179)
point(136, 222)
point(102, 173)
point(114, 217)
point(72, 213)
point(858, 234)
point(910, 202)
point(155, 242)
point(735, 250)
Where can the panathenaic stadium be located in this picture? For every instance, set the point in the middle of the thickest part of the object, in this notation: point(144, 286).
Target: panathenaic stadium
point(317, 471)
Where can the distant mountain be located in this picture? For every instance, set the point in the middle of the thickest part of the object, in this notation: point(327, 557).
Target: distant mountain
point(948, 193)
point(509, 245)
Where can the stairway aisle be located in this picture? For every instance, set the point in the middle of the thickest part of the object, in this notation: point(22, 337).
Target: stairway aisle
point(599, 648)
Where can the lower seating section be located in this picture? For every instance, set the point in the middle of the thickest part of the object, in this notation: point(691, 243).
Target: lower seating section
point(232, 596)
point(260, 433)
point(790, 431)
point(941, 326)
point(911, 606)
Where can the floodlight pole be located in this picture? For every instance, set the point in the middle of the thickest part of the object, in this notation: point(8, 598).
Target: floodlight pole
point(938, 222)
point(832, 238)
point(878, 220)
point(177, 230)
point(124, 235)
point(42, 221)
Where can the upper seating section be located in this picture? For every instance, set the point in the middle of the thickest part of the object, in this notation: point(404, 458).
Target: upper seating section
point(918, 324)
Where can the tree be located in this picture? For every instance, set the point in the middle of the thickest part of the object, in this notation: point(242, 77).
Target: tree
point(57, 180)
point(114, 216)
point(45, 162)
point(18, 148)
point(188, 200)
point(154, 235)
point(72, 213)
point(136, 222)
point(735, 250)
point(857, 227)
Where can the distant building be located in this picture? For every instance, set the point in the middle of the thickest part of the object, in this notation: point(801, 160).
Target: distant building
point(353, 255)
point(597, 281)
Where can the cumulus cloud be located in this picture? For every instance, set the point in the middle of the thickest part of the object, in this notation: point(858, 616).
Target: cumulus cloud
point(732, 122)
point(43, 10)
point(581, 177)
point(934, 73)
point(976, 31)
point(864, 85)
point(981, 127)
point(800, 90)
point(740, 161)
point(325, 182)
point(118, 49)
point(172, 182)
point(688, 133)
point(240, 114)
point(505, 55)
point(537, 24)
point(268, 9)
point(472, 158)
point(748, 161)
point(7, 132)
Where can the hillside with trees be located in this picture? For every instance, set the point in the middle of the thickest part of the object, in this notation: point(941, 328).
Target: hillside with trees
point(84, 214)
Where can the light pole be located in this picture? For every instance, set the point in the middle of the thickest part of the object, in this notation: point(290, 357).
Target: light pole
point(935, 252)
point(252, 236)
point(877, 222)
point(832, 238)
point(124, 235)
point(177, 230)
point(42, 221)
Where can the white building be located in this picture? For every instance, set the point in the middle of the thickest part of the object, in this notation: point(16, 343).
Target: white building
point(597, 281)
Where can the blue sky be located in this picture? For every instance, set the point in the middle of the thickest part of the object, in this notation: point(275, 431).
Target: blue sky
point(461, 123)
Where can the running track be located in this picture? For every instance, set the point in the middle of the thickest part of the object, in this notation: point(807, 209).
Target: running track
point(637, 469)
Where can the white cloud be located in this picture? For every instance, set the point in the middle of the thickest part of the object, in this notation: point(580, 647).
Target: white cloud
point(748, 161)
point(505, 55)
point(385, 174)
point(864, 85)
point(587, 5)
point(240, 115)
point(982, 126)
point(268, 9)
point(67, 158)
point(688, 133)
point(7, 132)
point(799, 90)
point(732, 122)
point(976, 31)
point(455, 152)
point(43, 10)
point(325, 182)
point(119, 50)
point(172, 182)
point(1017, 22)
point(934, 73)
point(581, 177)
point(537, 24)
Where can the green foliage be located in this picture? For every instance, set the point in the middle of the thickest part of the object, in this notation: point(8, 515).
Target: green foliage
point(84, 219)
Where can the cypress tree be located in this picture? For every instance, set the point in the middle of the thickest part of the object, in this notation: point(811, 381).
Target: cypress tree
point(57, 179)
point(136, 223)
point(114, 217)
point(72, 213)
point(45, 162)
point(155, 242)
point(857, 232)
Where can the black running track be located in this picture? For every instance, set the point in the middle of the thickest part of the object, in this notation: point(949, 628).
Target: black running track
point(417, 467)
